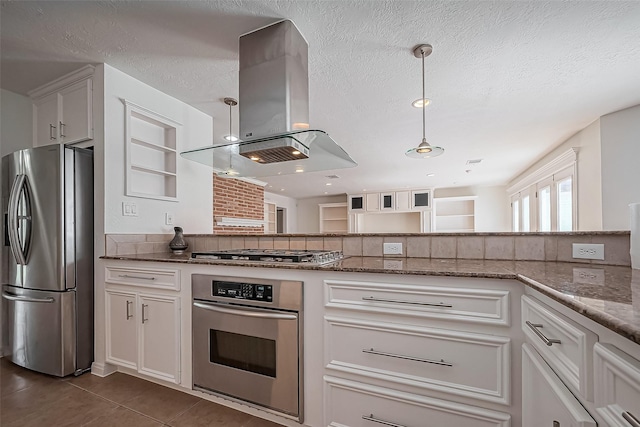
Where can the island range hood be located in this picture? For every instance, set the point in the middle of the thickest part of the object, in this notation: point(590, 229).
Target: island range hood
point(275, 135)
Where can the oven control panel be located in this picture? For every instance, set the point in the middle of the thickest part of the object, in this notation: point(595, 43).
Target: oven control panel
point(247, 291)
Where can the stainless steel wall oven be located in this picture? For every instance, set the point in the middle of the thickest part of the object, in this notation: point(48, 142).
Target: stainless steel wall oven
point(247, 341)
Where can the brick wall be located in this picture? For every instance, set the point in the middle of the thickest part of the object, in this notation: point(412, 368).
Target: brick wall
point(233, 198)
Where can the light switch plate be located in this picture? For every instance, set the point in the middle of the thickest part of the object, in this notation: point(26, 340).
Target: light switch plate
point(168, 218)
point(588, 250)
point(392, 248)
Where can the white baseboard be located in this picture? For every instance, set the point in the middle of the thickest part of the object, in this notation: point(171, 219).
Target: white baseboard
point(102, 369)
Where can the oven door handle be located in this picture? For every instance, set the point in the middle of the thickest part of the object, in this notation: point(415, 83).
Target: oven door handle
point(246, 313)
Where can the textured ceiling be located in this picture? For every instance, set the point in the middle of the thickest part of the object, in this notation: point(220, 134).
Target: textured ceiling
point(508, 80)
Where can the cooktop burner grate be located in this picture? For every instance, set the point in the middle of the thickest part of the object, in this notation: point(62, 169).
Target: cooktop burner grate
point(271, 255)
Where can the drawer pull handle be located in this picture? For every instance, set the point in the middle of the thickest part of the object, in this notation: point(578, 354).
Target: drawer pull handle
point(62, 125)
point(399, 356)
point(51, 128)
point(379, 421)
point(128, 276)
point(534, 327)
point(633, 421)
point(400, 301)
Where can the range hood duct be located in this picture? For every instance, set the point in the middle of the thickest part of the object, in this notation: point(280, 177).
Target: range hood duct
point(275, 136)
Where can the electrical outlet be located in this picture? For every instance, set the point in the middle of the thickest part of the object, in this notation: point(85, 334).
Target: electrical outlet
point(392, 248)
point(588, 251)
point(168, 218)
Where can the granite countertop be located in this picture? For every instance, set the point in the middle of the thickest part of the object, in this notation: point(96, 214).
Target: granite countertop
point(609, 295)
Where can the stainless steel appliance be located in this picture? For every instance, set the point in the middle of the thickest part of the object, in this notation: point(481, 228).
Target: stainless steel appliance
point(247, 341)
point(47, 292)
point(272, 255)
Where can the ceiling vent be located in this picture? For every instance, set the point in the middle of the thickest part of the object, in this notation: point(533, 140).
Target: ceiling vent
point(474, 162)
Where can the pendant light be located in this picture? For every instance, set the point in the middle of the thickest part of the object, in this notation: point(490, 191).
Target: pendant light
point(230, 172)
point(424, 150)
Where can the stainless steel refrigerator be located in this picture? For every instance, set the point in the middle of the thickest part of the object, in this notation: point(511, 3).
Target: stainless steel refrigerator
point(47, 292)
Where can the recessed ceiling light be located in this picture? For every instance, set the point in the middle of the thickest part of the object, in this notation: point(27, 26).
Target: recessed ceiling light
point(299, 170)
point(328, 183)
point(431, 174)
point(418, 103)
point(254, 158)
point(295, 152)
point(231, 138)
point(474, 162)
point(282, 189)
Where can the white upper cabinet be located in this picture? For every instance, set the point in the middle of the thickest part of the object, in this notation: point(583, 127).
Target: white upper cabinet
point(62, 109)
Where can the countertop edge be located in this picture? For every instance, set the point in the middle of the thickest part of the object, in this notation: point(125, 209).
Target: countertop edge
point(610, 322)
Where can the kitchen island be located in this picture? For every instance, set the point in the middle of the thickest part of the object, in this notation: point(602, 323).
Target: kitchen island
point(481, 335)
point(608, 295)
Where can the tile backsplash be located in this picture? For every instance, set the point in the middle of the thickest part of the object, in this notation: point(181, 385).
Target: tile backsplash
point(498, 246)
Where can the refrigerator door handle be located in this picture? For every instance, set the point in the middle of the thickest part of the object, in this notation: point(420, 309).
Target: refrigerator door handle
point(19, 248)
point(12, 297)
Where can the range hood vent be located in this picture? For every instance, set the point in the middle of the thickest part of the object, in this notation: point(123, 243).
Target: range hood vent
point(275, 138)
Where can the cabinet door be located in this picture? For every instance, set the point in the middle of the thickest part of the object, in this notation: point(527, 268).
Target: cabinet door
point(356, 203)
point(45, 121)
point(546, 401)
point(421, 199)
point(76, 121)
point(403, 200)
point(121, 328)
point(373, 202)
point(159, 336)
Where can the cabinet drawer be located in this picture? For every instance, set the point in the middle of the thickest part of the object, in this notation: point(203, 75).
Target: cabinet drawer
point(433, 359)
point(617, 386)
point(565, 345)
point(471, 305)
point(546, 401)
point(355, 404)
point(152, 278)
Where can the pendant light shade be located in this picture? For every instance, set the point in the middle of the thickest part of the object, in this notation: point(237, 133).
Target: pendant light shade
point(230, 172)
point(424, 150)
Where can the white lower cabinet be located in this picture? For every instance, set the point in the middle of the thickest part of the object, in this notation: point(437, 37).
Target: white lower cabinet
point(617, 386)
point(386, 363)
point(354, 404)
point(143, 332)
point(546, 401)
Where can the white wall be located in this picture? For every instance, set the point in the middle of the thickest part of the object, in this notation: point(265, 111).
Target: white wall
point(589, 174)
point(16, 127)
point(492, 212)
point(291, 210)
point(620, 132)
point(309, 212)
point(194, 211)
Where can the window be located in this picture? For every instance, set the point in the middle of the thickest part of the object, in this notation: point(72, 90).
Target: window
point(554, 208)
point(565, 205)
point(544, 209)
point(526, 224)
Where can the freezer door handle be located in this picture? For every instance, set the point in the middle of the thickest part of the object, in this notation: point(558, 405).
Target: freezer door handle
point(12, 297)
point(19, 251)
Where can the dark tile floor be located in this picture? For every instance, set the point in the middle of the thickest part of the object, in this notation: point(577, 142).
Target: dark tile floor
point(119, 400)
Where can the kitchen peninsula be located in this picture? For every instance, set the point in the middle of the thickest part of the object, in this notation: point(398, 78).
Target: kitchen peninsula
point(477, 314)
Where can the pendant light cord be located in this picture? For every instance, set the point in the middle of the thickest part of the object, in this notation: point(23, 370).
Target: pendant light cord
point(423, 101)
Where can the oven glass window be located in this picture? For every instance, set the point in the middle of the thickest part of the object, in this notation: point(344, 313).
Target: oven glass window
point(253, 354)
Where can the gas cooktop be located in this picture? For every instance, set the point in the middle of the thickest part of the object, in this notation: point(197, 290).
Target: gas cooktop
point(272, 255)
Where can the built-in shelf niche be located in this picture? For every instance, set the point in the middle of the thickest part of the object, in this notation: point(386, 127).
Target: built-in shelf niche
point(455, 214)
point(151, 159)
